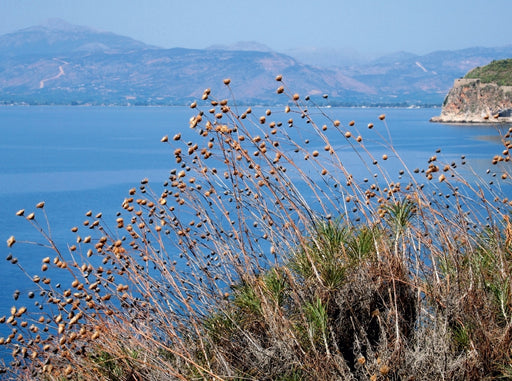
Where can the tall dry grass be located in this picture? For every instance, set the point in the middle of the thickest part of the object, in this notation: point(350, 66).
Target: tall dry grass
point(269, 255)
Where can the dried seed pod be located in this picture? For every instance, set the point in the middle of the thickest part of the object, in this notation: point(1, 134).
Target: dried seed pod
point(11, 241)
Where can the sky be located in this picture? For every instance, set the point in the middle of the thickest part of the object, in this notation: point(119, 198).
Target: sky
point(366, 27)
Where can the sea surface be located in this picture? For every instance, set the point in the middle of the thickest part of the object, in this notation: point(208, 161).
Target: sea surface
point(78, 159)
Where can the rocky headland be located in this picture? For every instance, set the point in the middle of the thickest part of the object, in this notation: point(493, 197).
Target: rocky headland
point(479, 100)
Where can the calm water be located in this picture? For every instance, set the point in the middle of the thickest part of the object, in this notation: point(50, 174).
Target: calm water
point(79, 159)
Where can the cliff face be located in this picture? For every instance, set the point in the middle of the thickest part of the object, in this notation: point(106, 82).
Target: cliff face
point(471, 101)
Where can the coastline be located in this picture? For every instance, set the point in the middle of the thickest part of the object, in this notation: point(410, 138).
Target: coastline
point(470, 119)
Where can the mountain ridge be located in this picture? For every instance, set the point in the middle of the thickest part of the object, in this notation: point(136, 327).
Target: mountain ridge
point(61, 63)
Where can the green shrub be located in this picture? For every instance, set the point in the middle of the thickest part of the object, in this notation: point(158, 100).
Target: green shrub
point(499, 72)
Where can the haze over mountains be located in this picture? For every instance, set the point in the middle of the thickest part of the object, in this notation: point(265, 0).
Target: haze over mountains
point(59, 63)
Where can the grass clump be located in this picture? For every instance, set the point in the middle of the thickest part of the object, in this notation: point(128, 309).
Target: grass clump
point(261, 258)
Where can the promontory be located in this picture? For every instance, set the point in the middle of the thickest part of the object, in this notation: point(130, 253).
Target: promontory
point(484, 95)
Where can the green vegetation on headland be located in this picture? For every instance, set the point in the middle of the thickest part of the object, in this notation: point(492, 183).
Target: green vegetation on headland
point(264, 257)
point(499, 72)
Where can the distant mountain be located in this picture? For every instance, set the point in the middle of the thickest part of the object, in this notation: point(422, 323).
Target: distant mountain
point(57, 37)
point(423, 79)
point(242, 45)
point(59, 63)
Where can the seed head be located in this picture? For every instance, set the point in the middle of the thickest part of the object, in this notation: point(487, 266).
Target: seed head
point(279, 78)
point(40, 205)
point(384, 369)
point(382, 116)
point(227, 81)
point(11, 241)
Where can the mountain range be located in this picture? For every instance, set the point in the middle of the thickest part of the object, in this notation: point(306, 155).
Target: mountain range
point(60, 63)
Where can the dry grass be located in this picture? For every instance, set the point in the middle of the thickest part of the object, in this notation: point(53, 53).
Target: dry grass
point(264, 259)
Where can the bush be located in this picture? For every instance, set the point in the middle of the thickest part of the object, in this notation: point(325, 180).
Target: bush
point(499, 72)
point(262, 259)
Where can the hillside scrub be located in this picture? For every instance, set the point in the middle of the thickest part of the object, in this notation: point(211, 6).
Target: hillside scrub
point(264, 256)
point(499, 72)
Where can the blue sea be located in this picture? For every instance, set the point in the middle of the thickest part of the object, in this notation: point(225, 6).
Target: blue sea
point(78, 159)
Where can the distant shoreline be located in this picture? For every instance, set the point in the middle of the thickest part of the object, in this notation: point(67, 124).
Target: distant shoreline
point(493, 121)
point(397, 106)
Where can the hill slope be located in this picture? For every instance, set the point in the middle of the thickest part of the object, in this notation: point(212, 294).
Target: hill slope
point(498, 72)
point(59, 63)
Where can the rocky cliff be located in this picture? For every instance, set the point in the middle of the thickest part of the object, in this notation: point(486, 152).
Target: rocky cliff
point(472, 101)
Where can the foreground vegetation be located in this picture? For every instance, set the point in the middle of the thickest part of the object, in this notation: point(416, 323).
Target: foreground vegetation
point(267, 256)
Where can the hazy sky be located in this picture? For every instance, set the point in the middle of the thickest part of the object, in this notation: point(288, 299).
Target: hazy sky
point(370, 27)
